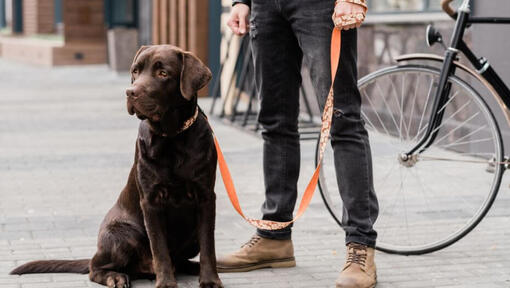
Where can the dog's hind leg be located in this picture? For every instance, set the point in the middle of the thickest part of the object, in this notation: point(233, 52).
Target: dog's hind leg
point(121, 248)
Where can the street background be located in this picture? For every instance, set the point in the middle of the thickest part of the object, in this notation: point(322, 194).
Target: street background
point(66, 147)
point(67, 141)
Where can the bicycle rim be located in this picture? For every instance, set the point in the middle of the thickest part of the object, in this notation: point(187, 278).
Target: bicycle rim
point(427, 205)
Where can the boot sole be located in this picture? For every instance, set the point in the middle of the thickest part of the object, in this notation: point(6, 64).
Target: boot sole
point(373, 286)
point(279, 263)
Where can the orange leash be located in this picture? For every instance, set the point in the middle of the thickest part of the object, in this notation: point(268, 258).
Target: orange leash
point(336, 40)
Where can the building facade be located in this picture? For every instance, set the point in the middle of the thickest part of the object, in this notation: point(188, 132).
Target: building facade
point(67, 32)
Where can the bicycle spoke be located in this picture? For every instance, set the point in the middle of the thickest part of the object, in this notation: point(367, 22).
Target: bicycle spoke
point(369, 122)
point(405, 206)
point(468, 142)
point(402, 104)
point(377, 114)
point(412, 106)
point(457, 196)
point(399, 104)
point(453, 115)
point(447, 102)
point(389, 109)
point(468, 135)
point(422, 189)
point(458, 127)
point(386, 177)
point(425, 108)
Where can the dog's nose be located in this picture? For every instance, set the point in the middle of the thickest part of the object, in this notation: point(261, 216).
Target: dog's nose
point(130, 92)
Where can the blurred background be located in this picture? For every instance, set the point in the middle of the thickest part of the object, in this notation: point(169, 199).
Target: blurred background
point(81, 32)
point(67, 142)
point(78, 32)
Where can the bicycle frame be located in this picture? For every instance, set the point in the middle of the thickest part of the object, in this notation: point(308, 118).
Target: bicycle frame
point(482, 65)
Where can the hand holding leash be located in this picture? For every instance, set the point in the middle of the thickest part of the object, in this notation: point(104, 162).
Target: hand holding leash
point(349, 14)
point(239, 19)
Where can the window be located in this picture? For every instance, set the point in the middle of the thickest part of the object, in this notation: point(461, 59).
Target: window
point(58, 11)
point(3, 21)
point(397, 6)
point(121, 13)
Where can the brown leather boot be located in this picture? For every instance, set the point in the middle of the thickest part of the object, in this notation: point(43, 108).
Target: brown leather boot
point(259, 253)
point(359, 270)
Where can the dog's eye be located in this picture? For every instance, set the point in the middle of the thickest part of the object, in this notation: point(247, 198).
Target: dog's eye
point(163, 73)
point(135, 71)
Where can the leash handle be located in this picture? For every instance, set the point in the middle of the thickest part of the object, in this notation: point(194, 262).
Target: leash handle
point(336, 43)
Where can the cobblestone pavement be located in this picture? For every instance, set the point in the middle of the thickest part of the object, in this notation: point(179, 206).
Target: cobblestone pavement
point(67, 144)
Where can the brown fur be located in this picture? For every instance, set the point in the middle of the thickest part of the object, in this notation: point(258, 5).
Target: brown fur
point(165, 214)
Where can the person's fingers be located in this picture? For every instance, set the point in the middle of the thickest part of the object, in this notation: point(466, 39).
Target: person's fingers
point(243, 25)
point(238, 21)
point(234, 25)
point(347, 27)
point(348, 15)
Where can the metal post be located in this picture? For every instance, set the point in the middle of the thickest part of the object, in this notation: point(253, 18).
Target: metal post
point(214, 41)
point(2, 14)
point(17, 16)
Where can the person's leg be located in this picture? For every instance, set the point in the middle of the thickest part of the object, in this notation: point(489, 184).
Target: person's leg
point(353, 159)
point(313, 26)
point(277, 59)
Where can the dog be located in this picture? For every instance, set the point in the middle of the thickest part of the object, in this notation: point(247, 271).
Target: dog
point(165, 215)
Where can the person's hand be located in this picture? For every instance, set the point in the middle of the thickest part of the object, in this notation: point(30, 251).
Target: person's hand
point(239, 19)
point(348, 15)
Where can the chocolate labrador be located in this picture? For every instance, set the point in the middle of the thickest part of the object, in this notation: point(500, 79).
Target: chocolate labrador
point(165, 214)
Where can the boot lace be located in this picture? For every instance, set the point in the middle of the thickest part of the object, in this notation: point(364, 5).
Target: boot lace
point(254, 240)
point(357, 254)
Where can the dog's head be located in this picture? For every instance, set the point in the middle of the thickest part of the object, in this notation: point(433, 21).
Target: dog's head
point(164, 79)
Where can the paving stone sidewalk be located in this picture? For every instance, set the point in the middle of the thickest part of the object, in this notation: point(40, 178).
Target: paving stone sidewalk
point(66, 147)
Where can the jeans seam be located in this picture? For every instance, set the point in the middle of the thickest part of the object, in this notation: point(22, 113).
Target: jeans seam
point(284, 154)
point(367, 183)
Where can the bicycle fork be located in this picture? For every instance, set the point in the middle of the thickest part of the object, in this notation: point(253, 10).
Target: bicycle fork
point(443, 90)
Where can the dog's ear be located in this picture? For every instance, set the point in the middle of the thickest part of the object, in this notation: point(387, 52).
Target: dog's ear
point(143, 48)
point(194, 75)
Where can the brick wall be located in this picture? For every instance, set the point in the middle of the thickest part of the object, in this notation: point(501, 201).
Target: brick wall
point(84, 21)
point(38, 16)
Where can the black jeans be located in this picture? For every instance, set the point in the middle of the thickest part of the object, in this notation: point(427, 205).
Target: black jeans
point(282, 32)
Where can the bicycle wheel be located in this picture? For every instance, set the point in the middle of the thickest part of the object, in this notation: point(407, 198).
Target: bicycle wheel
point(436, 198)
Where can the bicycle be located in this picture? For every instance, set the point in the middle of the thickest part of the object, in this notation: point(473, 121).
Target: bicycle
point(425, 121)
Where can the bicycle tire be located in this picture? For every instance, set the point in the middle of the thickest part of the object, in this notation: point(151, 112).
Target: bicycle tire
point(489, 198)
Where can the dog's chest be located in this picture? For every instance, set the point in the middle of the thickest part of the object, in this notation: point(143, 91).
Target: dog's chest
point(161, 179)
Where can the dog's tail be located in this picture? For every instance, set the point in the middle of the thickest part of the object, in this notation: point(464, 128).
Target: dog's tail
point(53, 266)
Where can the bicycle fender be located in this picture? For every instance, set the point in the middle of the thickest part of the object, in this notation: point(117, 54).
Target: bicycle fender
point(470, 71)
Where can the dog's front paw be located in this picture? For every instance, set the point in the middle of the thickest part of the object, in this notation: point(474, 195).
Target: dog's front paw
point(213, 283)
point(166, 283)
point(118, 280)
